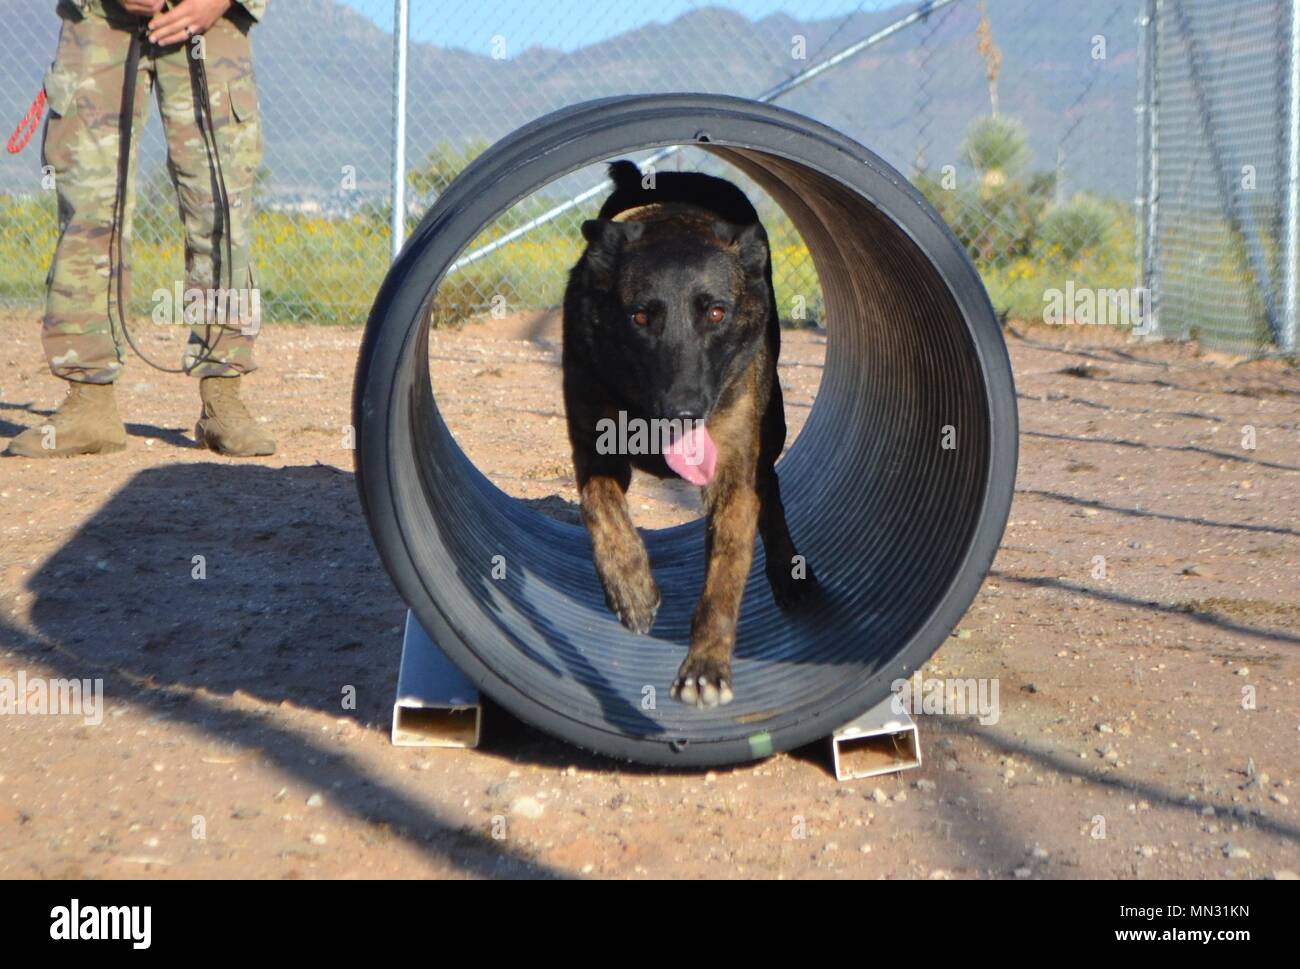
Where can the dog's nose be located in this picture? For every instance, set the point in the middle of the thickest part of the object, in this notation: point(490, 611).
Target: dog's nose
point(685, 407)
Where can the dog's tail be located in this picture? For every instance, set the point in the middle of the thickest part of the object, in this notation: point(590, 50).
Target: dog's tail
point(625, 175)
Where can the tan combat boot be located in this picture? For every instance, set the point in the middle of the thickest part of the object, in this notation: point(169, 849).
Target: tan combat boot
point(225, 425)
point(87, 422)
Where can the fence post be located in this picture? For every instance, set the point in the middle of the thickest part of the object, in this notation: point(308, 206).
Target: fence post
point(1289, 338)
point(401, 29)
point(1148, 112)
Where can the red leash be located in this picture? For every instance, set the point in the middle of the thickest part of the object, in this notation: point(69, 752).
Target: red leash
point(27, 127)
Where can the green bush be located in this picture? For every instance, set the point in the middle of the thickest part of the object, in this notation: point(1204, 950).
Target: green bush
point(1079, 226)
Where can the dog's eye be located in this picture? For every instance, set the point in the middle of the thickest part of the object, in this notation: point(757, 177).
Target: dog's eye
point(716, 314)
point(641, 318)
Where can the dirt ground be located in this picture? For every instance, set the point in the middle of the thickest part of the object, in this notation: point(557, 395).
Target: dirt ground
point(1127, 745)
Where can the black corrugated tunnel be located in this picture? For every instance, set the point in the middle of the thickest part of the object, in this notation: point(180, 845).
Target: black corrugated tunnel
point(899, 528)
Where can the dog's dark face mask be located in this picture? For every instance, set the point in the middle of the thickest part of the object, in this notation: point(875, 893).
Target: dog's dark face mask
point(681, 310)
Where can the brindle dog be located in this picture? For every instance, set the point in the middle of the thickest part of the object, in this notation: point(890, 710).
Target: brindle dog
point(670, 322)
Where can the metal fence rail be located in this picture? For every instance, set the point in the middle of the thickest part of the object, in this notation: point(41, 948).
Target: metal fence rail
point(1013, 116)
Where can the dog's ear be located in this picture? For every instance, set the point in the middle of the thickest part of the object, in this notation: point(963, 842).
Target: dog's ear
point(625, 175)
point(750, 241)
point(608, 234)
point(606, 240)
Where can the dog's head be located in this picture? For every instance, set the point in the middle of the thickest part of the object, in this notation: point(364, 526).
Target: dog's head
point(681, 302)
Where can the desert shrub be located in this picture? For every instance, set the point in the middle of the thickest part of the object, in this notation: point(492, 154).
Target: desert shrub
point(997, 148)
point(1080, 225)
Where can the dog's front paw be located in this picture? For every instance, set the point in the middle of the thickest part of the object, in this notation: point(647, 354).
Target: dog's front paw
point(703, 680)
point(635, 600)
point(791, 585)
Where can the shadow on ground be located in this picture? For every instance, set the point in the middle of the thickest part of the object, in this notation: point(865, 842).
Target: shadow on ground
point(220, 577)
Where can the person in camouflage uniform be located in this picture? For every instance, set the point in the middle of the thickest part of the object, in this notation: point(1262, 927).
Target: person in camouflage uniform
point(84, 92)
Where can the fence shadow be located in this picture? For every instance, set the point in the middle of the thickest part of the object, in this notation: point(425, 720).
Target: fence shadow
point(1160, 516)
point(1142, 446)
point(1068, 766)
point(1188, 611)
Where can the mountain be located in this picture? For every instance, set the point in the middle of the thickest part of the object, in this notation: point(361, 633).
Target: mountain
point(324, 72)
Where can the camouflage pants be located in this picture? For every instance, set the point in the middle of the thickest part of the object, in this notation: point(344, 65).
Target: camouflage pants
point(84, 94)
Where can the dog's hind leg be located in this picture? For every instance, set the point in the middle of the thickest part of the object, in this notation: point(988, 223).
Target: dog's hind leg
point(788, 572)
point(616, 547)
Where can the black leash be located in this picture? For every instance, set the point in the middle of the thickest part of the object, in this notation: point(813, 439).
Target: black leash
point(221, 231)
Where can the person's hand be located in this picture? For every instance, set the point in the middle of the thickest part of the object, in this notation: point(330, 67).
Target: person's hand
point(186, 19)
point(143, 8)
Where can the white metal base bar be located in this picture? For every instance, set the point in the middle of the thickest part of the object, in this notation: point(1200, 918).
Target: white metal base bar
point(436, 705)
point(881, 741)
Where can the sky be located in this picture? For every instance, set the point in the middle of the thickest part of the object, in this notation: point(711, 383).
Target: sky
point(570, 24)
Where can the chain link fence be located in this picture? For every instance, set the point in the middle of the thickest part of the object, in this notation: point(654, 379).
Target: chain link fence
point(1015, 117)
point(994, 109)
point(1220, 241)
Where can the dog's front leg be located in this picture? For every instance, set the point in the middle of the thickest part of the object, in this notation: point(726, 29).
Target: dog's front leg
point(704, 678)
point(617, 550)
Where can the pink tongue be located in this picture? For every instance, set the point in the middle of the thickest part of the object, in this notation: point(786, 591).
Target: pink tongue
point(693, 455)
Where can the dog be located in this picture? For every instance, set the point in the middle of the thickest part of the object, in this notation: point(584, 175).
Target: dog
point(670, 324)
